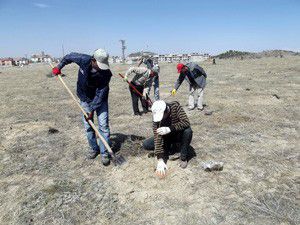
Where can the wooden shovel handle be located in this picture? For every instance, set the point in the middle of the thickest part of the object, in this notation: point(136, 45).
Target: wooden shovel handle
point(85, 114)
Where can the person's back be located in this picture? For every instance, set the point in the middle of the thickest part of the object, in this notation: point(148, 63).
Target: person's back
point(89, 79)
point(196, 70)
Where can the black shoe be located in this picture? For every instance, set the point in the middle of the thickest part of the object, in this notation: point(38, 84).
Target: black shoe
point(174, 157)
point(183, 164)
point(146, 111)
point(137, 114)
point(92, 154)
point(105, 160)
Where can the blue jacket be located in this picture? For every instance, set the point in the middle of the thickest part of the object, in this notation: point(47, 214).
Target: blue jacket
point(91, 87)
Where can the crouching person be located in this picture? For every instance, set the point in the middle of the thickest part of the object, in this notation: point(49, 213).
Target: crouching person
point(170, 126)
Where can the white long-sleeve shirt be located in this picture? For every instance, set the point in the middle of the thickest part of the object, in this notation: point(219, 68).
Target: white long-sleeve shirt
point(141, 76)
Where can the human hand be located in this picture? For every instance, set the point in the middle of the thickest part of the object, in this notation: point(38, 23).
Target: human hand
point(163, 130)
point(90, 116)
point(161, 168)
point(56, 71)
point(173, 92)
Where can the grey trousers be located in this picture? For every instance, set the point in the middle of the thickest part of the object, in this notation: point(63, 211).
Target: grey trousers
point(196, 97)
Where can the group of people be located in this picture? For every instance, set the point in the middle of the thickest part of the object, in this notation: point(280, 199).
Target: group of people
point(171, 125)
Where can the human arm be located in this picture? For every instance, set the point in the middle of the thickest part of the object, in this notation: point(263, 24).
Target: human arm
point(161, 167)
point(183, 121)
point(179, 81)
point(74, 57)
point(158, 142)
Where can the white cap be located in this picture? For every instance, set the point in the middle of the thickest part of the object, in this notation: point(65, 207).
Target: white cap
point(101, 57)
point(158, 108)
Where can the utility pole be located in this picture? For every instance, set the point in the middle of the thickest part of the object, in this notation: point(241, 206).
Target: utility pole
point(123, 50)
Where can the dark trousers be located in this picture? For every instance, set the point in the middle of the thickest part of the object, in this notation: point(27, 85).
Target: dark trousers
point(135, 97)
point(184, 138)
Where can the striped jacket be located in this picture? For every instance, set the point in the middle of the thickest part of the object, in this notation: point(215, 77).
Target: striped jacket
point(177, 121)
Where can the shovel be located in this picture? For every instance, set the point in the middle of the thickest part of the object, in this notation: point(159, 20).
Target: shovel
point(148, 100)
point(117, 160)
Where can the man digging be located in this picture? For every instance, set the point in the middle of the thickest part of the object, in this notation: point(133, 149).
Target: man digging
point(142, 79)
point(196, 77)
point(92, 89)
point(170, 126)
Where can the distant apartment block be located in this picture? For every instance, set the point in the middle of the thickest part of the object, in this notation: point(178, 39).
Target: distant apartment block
point(169, 58)
point(165, 58)
point(37, 58)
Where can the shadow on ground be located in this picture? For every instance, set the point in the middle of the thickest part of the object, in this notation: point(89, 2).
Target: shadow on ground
point(127, 145)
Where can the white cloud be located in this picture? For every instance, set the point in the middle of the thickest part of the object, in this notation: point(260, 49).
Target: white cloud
point(41, 5)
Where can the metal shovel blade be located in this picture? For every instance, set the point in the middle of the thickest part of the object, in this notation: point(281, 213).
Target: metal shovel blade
point(118, 160)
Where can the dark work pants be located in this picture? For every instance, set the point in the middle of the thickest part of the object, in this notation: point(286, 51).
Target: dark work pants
point(135, 97)
point(184, 138)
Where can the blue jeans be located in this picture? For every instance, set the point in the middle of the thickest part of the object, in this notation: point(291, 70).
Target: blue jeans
point(156, 88)
point(103, 122)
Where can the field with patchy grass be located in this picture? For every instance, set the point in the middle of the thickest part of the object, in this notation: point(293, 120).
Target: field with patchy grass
point(253, 129)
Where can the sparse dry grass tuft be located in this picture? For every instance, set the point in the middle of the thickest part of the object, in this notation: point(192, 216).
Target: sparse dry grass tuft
point(45, 178)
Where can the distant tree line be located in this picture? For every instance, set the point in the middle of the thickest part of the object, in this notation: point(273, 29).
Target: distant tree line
point(232, 54)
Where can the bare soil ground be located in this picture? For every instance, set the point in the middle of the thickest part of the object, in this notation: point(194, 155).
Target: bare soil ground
point(45, 178)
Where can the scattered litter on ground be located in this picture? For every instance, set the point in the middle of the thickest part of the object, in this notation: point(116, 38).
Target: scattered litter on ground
point(52, 130)
point(212, 166)
point(208, 113)
point(276, 96)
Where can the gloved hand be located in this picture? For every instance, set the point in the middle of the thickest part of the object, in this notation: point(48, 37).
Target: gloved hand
point(145, 94)
point(56, 71)
point(163, 130)
point(173, 92)
point(125, 79)
point(161, 168)
point(90, 116)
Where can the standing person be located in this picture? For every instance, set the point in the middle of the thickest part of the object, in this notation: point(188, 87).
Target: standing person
point(141, 81)
point(147, 60)
point(155, 82)
point(92, 89)
point(170, 126)
point(196, 77)
point(155, 67)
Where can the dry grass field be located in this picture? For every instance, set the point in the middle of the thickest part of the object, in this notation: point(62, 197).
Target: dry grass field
point(45, 178)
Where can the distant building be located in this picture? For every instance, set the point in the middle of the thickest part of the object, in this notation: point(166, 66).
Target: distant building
point(38, 58)
point(21, 61)
point(164, 58)
point(169, 58)
point(115, 59)
point(7, 62)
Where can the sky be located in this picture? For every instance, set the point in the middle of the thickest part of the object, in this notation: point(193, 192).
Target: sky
point(160, 26)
